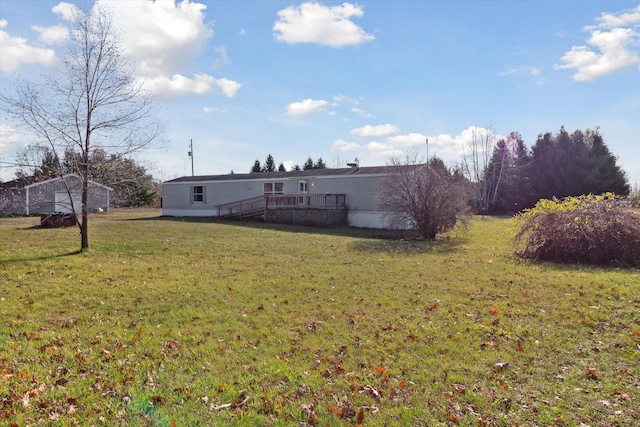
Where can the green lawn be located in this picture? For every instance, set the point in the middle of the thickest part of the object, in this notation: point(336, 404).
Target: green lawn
point(196, 322)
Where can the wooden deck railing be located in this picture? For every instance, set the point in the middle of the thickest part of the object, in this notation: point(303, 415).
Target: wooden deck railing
point(306, 201)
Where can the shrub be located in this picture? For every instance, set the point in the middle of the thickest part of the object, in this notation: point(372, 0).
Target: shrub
point(597, 230)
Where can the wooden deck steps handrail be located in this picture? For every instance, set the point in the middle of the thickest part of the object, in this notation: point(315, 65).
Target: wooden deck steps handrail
point(257, 206)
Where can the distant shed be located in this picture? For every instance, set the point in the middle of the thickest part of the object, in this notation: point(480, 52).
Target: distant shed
point(47, 195)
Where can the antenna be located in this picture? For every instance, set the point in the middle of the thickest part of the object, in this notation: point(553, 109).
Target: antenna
point(191, 155)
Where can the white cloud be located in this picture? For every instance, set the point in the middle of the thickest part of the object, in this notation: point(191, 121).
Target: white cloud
point(165, 37)
point(535, 73)
point(409, 140)
point(179, 85)
point(8, 136)
point(15, 51)
point(360, 112)
point(52, 35)
point(508, 72)
point(66, 11)
point(466, 138)
point(242, 32)
point(610, 47)
point(343, 98)
point(612, 20)
point(10, 144)
point(306, 107)
point(445, 144)
point(375, 131)
point(209, 110)
point(224, 57)
point(383, 150)
point(228, 87)
point(342, 145)
point(316, 23)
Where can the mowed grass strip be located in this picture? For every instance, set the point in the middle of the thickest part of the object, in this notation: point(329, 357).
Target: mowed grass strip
point(198, 322)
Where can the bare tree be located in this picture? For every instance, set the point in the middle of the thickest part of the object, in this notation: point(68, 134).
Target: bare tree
point(428, 198)
point(476, 156)
point(93, 102)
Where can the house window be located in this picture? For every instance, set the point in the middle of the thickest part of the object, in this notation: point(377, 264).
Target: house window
point(273, 188)
point(198, 194)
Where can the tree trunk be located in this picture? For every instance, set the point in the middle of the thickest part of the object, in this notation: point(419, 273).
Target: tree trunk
point(84, 226)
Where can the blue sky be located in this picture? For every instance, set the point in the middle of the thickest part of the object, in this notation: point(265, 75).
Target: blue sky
point(340, 80)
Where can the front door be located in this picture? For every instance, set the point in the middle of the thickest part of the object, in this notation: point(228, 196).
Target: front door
point(302, 189)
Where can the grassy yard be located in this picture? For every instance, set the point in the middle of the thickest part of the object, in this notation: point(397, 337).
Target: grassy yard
point(169, 322)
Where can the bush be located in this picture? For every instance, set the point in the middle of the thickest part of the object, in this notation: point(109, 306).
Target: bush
point(597, 230)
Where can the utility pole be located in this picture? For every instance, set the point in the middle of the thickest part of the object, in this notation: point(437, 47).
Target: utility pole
point(427, 150)
point(191, 155)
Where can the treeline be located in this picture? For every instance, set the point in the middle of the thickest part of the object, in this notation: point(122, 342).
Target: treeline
point(132, 184)
point(269, 165)
point(557, 165)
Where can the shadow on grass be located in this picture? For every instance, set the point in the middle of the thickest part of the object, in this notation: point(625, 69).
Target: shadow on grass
point(370, 240)
point(40, 258)
point(438, 246)
point(259, 224)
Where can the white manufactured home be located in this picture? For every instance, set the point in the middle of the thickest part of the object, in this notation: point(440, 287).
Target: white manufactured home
point(317, 196)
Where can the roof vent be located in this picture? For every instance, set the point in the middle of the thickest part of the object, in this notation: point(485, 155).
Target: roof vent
point(355, 165)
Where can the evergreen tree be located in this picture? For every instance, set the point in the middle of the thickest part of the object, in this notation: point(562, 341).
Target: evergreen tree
point(308, 165)
point(256, 167)
point(602, 173)
point(281, 167)
point(571, 165)
point(320, 164)
point(269, 164)
point(296, 168)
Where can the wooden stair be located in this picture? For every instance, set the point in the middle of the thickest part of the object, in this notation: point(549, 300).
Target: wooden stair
point(241, 209)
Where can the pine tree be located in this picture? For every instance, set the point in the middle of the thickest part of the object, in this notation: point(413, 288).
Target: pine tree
point(572, 165)
point(320, 164)
point(308, 165)
point(269, 164)
point(256, 167)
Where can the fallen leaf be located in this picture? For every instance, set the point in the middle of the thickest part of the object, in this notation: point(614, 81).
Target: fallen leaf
point(158, 400)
